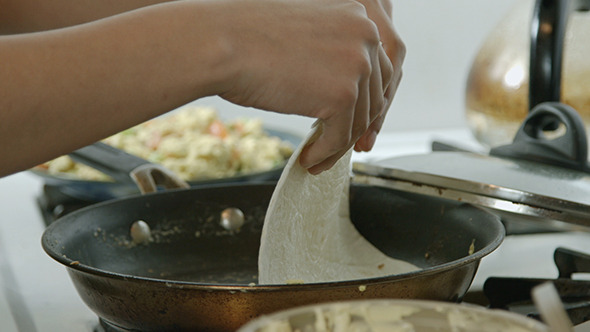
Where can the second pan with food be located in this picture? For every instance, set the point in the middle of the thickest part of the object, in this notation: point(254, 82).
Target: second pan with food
point(197, 275)
point(96, 191)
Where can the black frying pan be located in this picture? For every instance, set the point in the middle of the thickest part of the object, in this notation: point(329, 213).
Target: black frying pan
point(98, 191)
point(199, 276)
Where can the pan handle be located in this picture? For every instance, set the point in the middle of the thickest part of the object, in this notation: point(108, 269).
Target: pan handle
point(127, 168)
point(539, 139)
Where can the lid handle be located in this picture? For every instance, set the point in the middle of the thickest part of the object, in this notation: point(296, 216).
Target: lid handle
point(554, 134)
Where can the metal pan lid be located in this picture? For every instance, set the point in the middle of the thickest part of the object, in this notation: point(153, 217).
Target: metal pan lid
point(535, 177)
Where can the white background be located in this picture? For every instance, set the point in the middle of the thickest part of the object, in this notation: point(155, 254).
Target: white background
point(442, 39)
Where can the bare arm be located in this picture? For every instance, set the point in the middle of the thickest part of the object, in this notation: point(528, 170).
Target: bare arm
point(18, 16)
point(66, 88)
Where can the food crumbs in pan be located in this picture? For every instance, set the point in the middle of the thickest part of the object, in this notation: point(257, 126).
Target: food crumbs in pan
point(472, 247)
point(98, 233)
point(140, 234)
point(294, 282)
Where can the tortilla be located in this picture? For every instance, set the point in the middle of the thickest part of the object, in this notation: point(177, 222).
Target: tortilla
point(308, 235)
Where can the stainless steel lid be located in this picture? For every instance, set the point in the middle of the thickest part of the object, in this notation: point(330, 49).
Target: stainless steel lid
point(516, 186)
point(523, 180)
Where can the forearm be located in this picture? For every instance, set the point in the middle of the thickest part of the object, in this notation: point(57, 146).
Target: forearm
point(69, 87)
point(83, 84)
point(17, 16)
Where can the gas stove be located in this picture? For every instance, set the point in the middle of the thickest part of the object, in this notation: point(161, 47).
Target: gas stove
point(36, 294)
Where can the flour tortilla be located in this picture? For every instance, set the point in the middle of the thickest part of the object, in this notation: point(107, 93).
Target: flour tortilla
point(307, 234)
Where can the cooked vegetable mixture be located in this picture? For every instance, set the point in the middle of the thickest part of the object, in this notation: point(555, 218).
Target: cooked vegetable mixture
point(194, 143)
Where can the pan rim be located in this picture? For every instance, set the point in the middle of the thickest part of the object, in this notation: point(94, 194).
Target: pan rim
point(73, 265)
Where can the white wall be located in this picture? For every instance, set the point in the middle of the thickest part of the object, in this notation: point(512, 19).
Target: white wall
point(442, 38)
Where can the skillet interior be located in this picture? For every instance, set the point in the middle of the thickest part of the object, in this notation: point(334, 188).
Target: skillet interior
point(191, 246)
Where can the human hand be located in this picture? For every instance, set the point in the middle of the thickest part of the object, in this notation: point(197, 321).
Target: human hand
point(320, 59)
point(380, 12)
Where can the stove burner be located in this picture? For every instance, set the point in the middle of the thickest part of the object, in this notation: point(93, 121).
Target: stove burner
point(514, 294)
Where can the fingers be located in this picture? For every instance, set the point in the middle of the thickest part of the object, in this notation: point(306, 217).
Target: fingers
point(343, 130)
point(387, 69)
point(318, 147)
point(380, 12)
point(326, 164)
point(379, 80)
point(368, 139)
point(344, 76)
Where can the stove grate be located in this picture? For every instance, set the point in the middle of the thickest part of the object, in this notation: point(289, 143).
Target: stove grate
point(514, 294)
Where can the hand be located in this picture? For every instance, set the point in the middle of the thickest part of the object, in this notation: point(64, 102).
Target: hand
point(321, 59)
point(380, 12)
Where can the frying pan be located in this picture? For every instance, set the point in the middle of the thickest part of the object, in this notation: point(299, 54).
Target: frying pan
point(98, 191)
point(198, 276)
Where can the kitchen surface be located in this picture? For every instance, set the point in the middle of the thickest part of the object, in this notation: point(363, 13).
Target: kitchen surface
point(37, 295)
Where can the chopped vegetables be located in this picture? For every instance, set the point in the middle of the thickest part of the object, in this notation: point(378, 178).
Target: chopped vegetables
point(194, 143)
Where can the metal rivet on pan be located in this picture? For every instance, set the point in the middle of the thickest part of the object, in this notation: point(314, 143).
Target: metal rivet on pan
point(140, 232)
point(232, 219)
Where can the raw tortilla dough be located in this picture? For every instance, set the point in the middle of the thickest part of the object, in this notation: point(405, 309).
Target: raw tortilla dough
point(307, 234)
